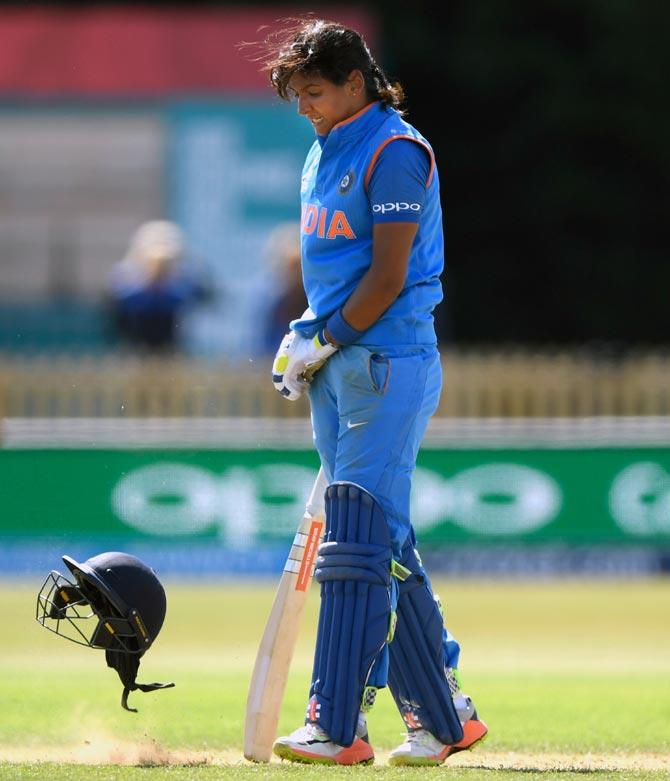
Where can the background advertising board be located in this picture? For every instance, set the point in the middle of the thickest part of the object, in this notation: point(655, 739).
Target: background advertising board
point(248, 499)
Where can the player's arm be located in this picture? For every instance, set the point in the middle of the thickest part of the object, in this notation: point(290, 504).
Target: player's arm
point(400, 176)
point(382, 283)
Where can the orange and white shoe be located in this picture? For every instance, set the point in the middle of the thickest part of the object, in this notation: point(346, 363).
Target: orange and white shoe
point(422, 748)
point(312, 745)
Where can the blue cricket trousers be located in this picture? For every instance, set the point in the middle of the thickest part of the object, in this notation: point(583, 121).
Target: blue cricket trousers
point(370, 408)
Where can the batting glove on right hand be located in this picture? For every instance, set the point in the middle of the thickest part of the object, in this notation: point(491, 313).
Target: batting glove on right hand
point(296, 362)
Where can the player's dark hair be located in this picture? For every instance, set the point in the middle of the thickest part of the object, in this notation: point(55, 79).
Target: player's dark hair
point(331, 51)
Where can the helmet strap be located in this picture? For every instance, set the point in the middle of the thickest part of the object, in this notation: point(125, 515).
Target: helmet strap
point(143, 687)
point(127, 665)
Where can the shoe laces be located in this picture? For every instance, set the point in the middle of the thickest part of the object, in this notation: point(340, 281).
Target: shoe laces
point(308, 732)
point(423, 739)
point(311, 731)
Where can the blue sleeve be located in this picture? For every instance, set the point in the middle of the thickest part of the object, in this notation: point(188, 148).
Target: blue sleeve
point(397, 187)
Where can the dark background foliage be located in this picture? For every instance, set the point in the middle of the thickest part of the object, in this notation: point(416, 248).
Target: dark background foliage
point(550, 125)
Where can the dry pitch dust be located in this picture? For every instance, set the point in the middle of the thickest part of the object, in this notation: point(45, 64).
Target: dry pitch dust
point(104, 750)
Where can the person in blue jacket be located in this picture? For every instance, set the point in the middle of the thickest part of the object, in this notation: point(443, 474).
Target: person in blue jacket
point(365, 352)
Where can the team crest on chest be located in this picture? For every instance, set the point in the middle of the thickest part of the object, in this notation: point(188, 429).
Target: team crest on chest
point(346, 183)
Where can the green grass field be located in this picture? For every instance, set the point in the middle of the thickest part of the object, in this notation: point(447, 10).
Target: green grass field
point(572, 677)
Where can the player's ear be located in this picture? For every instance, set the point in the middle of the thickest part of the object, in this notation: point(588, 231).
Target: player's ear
point(355, 81)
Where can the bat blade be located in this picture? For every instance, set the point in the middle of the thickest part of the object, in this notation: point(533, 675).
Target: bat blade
point(275, 651)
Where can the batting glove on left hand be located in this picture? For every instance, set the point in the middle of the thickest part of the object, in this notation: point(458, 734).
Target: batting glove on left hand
point(296, 362)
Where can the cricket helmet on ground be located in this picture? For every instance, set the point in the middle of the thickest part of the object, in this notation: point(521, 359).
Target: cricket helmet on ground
point(116, 603)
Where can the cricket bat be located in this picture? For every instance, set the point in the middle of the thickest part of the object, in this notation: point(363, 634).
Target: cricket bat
point(275, 652)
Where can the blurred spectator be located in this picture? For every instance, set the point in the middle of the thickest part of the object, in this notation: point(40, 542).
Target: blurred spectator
point(290, 301)
point(150, 288)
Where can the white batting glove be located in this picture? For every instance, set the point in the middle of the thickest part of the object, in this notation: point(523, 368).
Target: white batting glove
point(296, 362)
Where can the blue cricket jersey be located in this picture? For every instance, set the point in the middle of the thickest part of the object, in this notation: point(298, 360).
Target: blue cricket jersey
point(337, 223)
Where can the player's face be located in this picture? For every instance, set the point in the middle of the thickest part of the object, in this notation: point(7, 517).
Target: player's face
point(325, 104)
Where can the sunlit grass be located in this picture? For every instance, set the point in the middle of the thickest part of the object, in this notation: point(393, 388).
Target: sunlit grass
point(556, 669)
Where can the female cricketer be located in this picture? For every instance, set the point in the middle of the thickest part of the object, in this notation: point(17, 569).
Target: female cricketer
point(366, 353)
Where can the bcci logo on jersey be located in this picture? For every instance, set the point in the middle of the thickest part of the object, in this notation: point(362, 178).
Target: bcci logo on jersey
point(346, 183)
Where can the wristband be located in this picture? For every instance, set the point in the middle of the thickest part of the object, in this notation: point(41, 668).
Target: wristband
point(341, 331)
point(320, 339)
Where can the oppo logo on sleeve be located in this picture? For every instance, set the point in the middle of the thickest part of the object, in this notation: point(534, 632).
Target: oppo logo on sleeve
point(398, 206)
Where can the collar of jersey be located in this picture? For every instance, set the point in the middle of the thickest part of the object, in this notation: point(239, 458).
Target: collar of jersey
point(350, 129)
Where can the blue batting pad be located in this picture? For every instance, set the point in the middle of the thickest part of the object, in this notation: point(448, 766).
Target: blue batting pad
point(354, 570)
point(417, 678)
